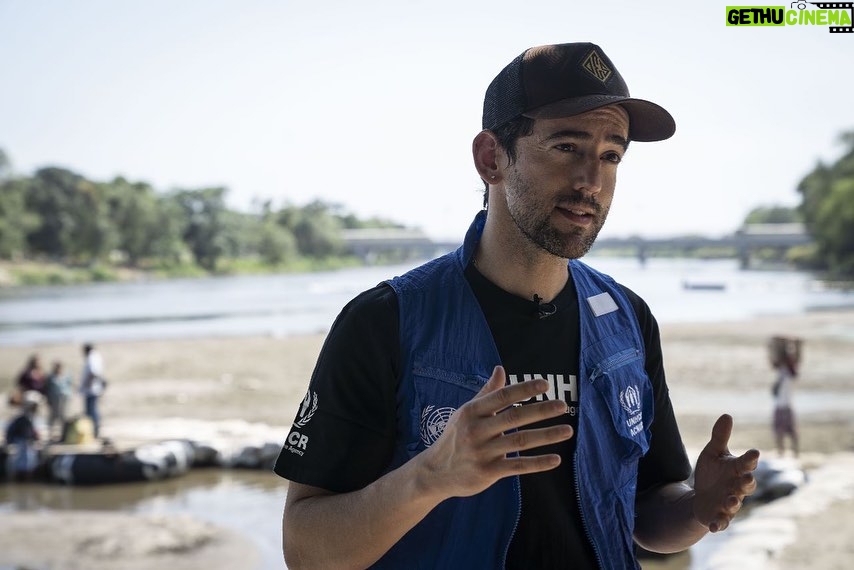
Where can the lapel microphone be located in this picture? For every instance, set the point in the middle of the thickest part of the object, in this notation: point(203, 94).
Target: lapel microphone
point(543, 309)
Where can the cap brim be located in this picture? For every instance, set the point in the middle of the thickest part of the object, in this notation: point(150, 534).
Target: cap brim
point(648, 122)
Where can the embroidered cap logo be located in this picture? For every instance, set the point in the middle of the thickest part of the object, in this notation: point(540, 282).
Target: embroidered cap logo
point(595, 65)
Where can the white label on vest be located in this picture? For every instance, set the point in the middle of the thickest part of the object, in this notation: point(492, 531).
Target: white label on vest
point(602, 304)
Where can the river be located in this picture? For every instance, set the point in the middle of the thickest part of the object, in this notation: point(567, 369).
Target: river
point(676, 290)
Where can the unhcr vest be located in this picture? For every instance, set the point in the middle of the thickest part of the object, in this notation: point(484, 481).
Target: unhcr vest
point(447, 355)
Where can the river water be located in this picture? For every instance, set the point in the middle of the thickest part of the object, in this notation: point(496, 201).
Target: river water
point(251, 502)
point(308, 303)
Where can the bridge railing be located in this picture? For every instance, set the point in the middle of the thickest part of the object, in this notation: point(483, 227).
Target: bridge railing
point(413, 244)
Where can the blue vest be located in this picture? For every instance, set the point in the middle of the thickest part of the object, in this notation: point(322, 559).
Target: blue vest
point(448, 354)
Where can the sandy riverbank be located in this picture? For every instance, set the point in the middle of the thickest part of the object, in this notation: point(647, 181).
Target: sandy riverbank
point(712, 368)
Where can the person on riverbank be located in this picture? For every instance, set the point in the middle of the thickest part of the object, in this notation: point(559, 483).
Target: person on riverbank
point(22, 437)
point(505, 405)
point(58, 389)
point(785, 356)
point(92, 384)
point(32, 377)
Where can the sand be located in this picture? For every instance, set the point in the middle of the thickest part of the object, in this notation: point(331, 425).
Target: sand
point(258, 382)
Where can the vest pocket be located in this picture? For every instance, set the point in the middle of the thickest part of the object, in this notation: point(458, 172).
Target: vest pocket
point(440, 387)
point(439, 393)
point(624, 390)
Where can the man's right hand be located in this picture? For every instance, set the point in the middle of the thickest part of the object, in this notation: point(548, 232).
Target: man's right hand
point(322, 529)
point(472, 452)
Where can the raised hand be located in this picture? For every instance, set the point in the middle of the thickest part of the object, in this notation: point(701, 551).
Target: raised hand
point(722, 480)
point(472, 452)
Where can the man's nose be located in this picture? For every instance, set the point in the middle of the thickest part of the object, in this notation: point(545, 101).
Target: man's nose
point(588, 176)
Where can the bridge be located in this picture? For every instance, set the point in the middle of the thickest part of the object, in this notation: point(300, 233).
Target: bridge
point(397, 244)
point(408, 244)
point(745, 241)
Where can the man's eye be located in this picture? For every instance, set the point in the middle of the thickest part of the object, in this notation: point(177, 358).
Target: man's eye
point(566, 147)
point(613, 157)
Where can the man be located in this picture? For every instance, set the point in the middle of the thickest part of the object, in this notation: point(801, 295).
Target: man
point(92, 384)
point(500, 407)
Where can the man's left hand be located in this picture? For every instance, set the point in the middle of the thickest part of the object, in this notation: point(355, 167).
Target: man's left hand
point(722, 480)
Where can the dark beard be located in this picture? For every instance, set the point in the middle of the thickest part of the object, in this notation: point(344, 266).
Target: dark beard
point(541, 233)
point(567, 246)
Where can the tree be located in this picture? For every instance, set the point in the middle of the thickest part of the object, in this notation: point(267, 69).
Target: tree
point(146, 226)
point(773, 215)
point(827, 207)
point(5, 166)
point(277, 245)
point(75, 224)
point(204, 232)
point(16, 222)
point(317, 231)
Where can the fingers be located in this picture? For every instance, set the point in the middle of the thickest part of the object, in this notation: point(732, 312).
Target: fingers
point(495, 382)
point(522, 465)
point(495, 396)
point(730, 507)
point(494, 418)
point(719, 525)
point(748, 485)
point(748, 461)
point(516, 416)
point(524, 440)
point(741, 487)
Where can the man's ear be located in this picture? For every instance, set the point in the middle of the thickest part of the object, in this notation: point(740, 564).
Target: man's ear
point(486, 153)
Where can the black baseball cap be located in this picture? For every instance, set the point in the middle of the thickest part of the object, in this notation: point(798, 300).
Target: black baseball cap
point(552, 81)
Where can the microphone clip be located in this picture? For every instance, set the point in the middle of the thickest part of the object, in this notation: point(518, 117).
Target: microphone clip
point(544, 309)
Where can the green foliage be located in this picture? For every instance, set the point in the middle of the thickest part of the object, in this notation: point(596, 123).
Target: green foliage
point(316, 229)
point(773, 215)
point(828, 210)
point(5, 165)
point(59, 228)
point(146, 226)
point(75, 223)
point(204, 232)
point(804, 256)
point(50, 274)
point(16, 221)
point(277, 244)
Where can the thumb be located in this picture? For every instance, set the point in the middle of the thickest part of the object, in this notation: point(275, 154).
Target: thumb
point(721, 432)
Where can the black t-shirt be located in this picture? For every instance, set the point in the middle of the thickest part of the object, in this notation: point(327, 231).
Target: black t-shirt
point(343, 435)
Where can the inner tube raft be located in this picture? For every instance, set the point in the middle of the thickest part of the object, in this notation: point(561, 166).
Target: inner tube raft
point(148, 462)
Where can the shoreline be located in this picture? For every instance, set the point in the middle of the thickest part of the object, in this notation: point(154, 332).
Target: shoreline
point(198, 384)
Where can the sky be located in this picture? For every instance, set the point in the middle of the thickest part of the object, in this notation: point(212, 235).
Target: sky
point(374, 105)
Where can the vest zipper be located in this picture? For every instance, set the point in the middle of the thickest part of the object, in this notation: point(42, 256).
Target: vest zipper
point(581, 510)
point(517, 485)
point(615, 363)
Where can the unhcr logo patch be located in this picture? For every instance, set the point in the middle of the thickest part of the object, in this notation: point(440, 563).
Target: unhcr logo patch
point(297, 442)
point(631, 402)
point(307, 409)
point(596, 66)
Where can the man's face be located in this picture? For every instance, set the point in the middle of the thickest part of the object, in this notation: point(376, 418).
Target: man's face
point(559, 189)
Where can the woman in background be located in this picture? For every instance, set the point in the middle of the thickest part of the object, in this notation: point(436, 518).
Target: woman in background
point(785, 356)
